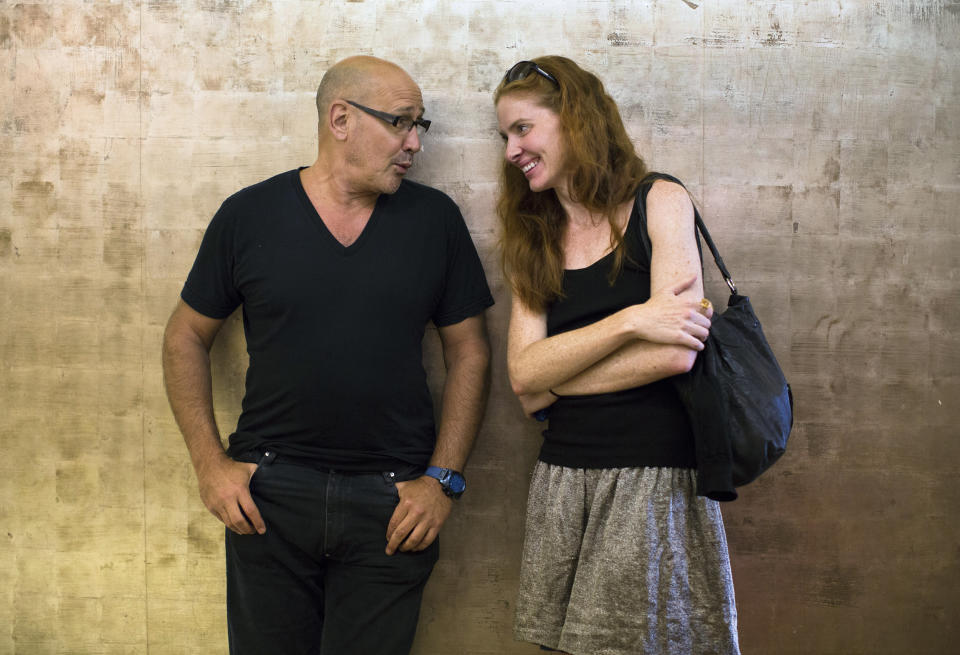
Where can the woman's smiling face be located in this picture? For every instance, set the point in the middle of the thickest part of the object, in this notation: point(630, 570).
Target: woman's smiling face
point(534, 141)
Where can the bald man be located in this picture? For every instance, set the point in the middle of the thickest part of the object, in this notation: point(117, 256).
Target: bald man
point(336, 480)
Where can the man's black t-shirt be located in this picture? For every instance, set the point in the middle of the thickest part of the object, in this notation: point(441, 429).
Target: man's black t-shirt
point(334, 333)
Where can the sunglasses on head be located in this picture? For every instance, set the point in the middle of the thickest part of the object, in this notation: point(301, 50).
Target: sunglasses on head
point(524, 69)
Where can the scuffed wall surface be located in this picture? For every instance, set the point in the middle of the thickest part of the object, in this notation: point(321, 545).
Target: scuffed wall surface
point(822, 139)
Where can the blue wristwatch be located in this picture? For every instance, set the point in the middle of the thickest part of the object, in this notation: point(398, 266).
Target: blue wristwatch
point(452, 481)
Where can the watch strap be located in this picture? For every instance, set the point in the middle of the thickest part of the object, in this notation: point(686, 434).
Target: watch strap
point(446, 478)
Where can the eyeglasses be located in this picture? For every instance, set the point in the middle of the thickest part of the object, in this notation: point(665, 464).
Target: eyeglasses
point(523, 69)
point(403, 123)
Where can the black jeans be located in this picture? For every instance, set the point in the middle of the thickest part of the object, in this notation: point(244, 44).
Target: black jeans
point(318, 581)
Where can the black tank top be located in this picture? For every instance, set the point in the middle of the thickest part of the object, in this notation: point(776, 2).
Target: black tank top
point(643, 426)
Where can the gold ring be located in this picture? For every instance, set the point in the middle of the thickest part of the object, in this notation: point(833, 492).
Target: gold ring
point(705, 303)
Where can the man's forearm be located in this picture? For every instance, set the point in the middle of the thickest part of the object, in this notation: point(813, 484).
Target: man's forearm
point(464, 401)
point(188, 382)
point(224, 484)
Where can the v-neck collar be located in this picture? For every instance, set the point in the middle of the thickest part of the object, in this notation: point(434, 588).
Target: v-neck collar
point(322, 228)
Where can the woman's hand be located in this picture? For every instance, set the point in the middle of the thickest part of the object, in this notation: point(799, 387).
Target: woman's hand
point(706, 308)
point(672, 317)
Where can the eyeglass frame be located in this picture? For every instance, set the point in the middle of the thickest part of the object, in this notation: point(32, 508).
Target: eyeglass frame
point(532, 67)
point(393, 119)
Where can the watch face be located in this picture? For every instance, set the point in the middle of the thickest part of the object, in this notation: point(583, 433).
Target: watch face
point(452, 482)
point(457, 483)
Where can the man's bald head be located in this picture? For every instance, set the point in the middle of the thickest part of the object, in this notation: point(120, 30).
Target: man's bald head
point(356, 144)
point(357, 78)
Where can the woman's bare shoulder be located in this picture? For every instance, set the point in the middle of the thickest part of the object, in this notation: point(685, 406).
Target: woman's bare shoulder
point(668, 193)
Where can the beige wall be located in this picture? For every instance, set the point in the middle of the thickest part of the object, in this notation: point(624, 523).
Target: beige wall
point(823, 139)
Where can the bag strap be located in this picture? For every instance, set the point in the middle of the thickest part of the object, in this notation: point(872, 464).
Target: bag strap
point(642, 192)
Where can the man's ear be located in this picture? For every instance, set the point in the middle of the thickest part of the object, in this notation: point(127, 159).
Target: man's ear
point(338, 120)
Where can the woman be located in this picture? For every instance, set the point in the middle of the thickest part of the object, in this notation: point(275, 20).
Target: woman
point(620, 555)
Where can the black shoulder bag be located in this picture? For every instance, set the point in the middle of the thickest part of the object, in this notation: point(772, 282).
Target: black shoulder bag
point(738, 401)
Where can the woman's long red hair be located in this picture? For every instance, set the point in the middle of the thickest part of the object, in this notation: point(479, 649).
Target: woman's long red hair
point(603, 169)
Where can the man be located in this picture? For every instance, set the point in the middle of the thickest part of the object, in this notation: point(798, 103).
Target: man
point(331, 509)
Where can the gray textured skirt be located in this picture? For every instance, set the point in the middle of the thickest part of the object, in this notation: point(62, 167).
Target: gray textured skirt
point(624, 561)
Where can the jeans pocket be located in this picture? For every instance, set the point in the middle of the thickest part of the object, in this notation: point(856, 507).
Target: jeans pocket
point(263, 462)
point(390, 483)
